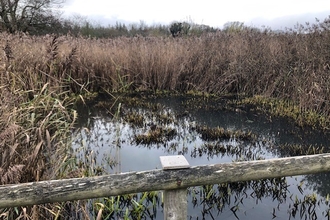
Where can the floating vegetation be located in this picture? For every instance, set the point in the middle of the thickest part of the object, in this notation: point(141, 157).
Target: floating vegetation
point(219, 133)
point(305, 208)
point(155, 135)
point(135, 119)
point(42, 77)
point(165, 118)
point(299, 150)
point(285, 108)
point(219, 149)
point(154, 125)
point(217, 198)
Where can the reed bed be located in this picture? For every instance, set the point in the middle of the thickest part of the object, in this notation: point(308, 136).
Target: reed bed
point(41, 78)
point(36, 118)
point(293, 65)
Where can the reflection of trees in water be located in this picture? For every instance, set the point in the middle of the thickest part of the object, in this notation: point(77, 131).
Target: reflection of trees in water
point(212, 201)
point(235, 149)
point(218, 198)
point(319, 183)
point(102, 131)
point(96, 146)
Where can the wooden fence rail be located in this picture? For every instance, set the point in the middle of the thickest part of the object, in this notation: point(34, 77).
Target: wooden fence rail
point(170, 179)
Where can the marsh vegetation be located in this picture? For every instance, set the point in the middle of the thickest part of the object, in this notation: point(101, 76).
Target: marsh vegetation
point(43, 79)
point(204, 136)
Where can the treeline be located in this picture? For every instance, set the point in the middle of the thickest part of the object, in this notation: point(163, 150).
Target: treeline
point(87, 28)
point(41, 77)
point(40, 17)
point(78, 26)
point(81, 27)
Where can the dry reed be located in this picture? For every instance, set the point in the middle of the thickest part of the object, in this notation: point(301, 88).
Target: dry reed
point(38, 76)
point(290, 66)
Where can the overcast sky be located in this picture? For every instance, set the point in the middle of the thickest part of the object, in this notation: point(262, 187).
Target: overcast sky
point(276, 14)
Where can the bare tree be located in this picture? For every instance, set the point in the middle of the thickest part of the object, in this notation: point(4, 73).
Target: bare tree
point(28, 15)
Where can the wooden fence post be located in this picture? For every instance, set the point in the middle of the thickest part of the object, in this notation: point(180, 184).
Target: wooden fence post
point(175, 201)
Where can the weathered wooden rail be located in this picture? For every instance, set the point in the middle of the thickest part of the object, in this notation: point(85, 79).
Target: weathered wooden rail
point(174, 179)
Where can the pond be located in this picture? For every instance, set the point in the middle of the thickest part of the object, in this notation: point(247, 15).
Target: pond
point(133, 133)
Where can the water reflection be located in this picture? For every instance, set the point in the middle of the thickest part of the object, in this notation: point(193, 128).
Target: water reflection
point(107, 145)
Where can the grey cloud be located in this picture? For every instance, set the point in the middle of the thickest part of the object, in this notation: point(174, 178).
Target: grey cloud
point(289, 21)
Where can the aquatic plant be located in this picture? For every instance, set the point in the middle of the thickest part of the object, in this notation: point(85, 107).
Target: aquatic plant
point(288, 109)
point(155, 135)
point(42, 77)
point(298, 149)
point(132, 206)
point(275, 65)
point(219, 133)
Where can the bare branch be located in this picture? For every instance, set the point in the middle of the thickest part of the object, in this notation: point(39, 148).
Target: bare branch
point(27, 15)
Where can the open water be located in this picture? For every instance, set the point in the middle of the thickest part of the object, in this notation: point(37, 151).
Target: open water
point(108, 145)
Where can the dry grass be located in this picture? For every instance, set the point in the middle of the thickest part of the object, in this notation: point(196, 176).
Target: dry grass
point(35, 120)
point(38, 76)
point(289, 65)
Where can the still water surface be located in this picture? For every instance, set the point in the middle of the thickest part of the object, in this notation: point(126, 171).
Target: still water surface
point(110, 145)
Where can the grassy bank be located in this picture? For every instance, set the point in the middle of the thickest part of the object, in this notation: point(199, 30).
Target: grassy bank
point(42, 77)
